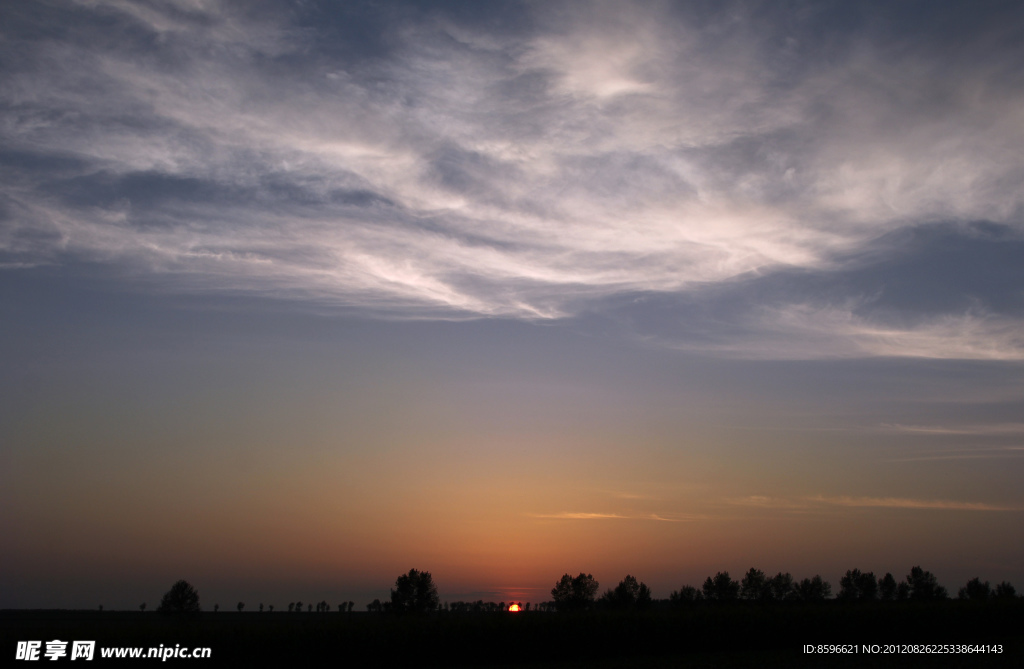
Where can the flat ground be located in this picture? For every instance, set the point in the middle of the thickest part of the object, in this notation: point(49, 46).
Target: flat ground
point(741, 635)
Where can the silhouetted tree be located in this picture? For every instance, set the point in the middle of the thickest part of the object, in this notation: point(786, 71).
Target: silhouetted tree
point(1005, 591)
point(261, 607)
point(754, 585)
point(142, 606)
point(216, 607)
point(309, 608)
point(721, 588)
point(628, 594)
point(887, 587)
point(350, 605)
point(414, 592)
point(298, 607)
point(856, 585)
point(782, 587)
point(271, 607)
point(924, 586)
point(181, 598)
point(574, 594)
point(291, 607)
point(813, 590)
point(375, 606)
point(975, 590)
point(241, 605)
point(685, 595)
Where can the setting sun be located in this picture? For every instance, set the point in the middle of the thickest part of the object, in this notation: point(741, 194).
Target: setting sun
point(514, 608)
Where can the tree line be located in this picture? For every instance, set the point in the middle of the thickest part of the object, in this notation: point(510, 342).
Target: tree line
point(415, 592)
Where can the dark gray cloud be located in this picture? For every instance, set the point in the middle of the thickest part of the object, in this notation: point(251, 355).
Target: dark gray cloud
point(807, 180)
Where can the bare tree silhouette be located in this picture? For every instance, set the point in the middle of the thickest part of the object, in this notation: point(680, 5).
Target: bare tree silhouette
point(142, 607)
point(241, 605)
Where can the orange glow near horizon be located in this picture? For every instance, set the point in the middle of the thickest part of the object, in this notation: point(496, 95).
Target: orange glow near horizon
point(514, 608)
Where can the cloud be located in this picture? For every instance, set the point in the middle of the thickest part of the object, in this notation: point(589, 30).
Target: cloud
point(969, 430)
point(466, 171)
point(830, 332)
point(571, 515)
point(567, 515)
point(807, 331)
point(820, 501)
point(765, 502)
point(1002, 453)
point(901, 503)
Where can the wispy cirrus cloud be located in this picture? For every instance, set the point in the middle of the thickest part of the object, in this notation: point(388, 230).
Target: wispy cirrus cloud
point(987, 454)
point(573, 515)
point(996, 429)
point(802, 331)
point(455, 170)
point(820, 502)
point(902, 503)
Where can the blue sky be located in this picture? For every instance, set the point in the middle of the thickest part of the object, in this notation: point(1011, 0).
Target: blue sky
point(678, 272)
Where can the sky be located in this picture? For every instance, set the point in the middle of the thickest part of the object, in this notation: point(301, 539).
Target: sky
point(297, 296)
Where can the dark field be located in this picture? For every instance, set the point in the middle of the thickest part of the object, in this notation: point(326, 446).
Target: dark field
point(741, 635)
